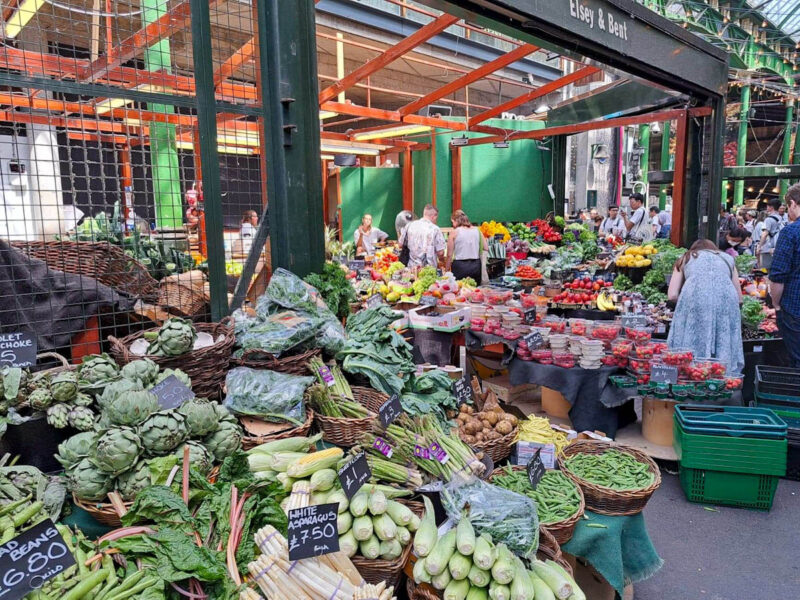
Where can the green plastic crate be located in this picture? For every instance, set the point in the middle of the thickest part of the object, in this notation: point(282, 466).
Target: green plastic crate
point(742, 490)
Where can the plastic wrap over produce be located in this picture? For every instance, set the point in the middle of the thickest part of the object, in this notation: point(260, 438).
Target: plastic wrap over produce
point(266, 395)
point(507, 516)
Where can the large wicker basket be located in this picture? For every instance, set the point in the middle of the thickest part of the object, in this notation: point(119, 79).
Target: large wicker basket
point(561, 530)
point(183, 294)
point(102, 261)
point(348, 432)
point(251, 441)
point(206, 367)
point(605, 500)
point(498, 449)
point(294, 364)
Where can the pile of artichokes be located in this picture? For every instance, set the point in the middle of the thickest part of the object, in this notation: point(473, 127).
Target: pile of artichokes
point(175, 337)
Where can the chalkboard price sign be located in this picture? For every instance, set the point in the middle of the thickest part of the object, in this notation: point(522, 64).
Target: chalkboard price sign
point(529, 316)
point(355, 265)
point(634, 320)
point(364, 274)
point(354, 474)
point(390, 410)
point(313, 531)
point(31, 559)
point(18, 349)
point(661, 373)
point(462, 390)
point(534, 340)
point(499, 236)
point(171, 393)
point(535, 468)
point(427, 300)
point(374, 301)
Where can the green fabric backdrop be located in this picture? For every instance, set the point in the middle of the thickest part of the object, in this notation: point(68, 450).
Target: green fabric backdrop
point(374, 190)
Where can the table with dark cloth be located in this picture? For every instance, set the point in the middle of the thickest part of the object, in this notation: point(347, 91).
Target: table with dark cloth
point(475, 340)
point(596, 403)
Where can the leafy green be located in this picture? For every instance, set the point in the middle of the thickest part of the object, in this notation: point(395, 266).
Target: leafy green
point(559, 221)
point(623, 283)
point(430, 393)
point(744, 263)
point(334, 287)
point(160, 504)
point(651, 294)
point(752, 312)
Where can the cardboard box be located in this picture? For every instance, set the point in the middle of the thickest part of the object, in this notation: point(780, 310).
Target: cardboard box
point(508, 393)
point(422, 318)
point(524, 452)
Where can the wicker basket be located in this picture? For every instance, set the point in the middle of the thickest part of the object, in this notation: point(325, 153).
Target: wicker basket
point(561, 530)
point(348, 432)
point(251, 441)
point(206, 367)
point(604, 500)
point(293, 365)
point(497, 449)
point(549, 549)
point(180, 294)
point(102, 261)
point(390, 571)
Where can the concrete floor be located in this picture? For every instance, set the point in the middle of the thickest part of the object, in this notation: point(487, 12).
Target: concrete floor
point(732, 554)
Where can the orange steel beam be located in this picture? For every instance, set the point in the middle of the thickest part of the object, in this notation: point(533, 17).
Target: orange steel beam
point(236, 60)
point(9, 9)
point(679, 180)
point(543, 90)
point(408, 180)
point(390, 55)
point(471, 77)
point(455, 165)
point(176, 19)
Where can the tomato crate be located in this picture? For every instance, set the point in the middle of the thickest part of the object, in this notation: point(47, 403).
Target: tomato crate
point(742, 490)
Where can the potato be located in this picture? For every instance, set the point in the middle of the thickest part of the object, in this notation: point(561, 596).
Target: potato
point(468, 439)
point(486, 425)
point(511, 419)
point(462, 417)
point(479, 437)
point(492, 417)
point(470, 428)
point(476, 423)
point(469, 410)
point(493, 435)
point(463, 408)
point(504, 427)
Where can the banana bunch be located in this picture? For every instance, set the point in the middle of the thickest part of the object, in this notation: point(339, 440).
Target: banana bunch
point(537, 429)
point(604, 301)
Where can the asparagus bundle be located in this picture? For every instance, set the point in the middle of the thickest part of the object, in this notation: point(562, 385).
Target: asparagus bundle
point(384, 469)
point(368, 591)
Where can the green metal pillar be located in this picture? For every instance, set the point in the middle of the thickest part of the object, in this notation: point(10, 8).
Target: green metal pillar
point(665, 164)
point(644, 142)
point(163, 149)
point(741, 147)
point(786, 155)
point(559, 173)
point(796, 153)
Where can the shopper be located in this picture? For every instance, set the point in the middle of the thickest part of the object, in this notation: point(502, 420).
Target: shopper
point(425, 240)
point(783, 215)
point(638, 227)
point(404, 217)
point(736, 242)
point(613, 224)
point(249, 224)
point(366, 236)
point(784, 277)
point(597, 220)
point(772, 226)
point(749, 220)
point(665, 223)
point(758, 228)
point(707, 319)
point(464, 246)
point(654, 222)
point(727, 221)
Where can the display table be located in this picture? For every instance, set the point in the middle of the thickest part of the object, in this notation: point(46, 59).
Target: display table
point(596, 403)
point(621, 551)
point(475, 340)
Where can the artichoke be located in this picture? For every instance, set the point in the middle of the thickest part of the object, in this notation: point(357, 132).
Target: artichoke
point(131, 408)
point(38, 381)
point(83, 399)
point(98, 368)
point(143, 370)
point(116, 450)
point(88, 482)
point(179, 375)
point(58, 416)
point(81, 418)
point(175, 337)
point(201, 417)
point(64, 387)
point(224, 441)
point(199, 456)
point(134, 481)
point(118, 388)
point(73, 449)
point(224, 415)
point(40, 399)
point(162, 431)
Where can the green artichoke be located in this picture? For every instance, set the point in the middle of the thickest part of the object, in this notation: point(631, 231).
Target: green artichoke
point(201, 417)
point(224, 415)
point(73, 449)
point(199, 456)
point(81, 418)
point(116, 450)
point(162, 431)
point(83, 399)
point(88, 482)
point(117, 388)
point(175, 337)
point(98, 368)
point(132, 482)
point(224, 441)
point(179, 375)
point(64, 387)
point(40, 380)
point(40, 399)
point(143, 370)
point(131, 408)
point(58, 416)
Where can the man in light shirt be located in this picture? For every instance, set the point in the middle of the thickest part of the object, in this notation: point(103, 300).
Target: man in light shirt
point(424, 239)
point(613, 224)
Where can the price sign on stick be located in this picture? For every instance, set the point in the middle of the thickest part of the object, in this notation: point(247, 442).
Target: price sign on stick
point(462, 390)
point(535, 468)
point(534, 340)
point(390, 410)
point(31, 559)
point(661, 373)
point(313, 531)
point(171, 393)
point(354, 474)
point(18, 349)
point(634, 320)
point(427, 300)
point(374, 301)
point(530, 316)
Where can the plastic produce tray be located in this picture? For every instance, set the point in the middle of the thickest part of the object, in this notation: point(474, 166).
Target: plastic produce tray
point(743, 490)
point(778, 383)
point(732, 421)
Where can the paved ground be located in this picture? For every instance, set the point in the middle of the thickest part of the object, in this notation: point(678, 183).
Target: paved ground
point(733, 554)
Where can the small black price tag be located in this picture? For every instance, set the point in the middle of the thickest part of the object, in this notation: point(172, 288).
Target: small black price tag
point(313, 531)
point(534, 340)
point(439, 272)
point(633, 320)
point(529, 316)
point(374, 301)
point(390, 410)
point(499, 236)
point(18, 349)
point(535, 468)
point(355, 265)
point(462, 391)
point(32, 558)
point(171, 393)
point(427, 300)
point(354, 474)
point(661, 373)
point(364, 274)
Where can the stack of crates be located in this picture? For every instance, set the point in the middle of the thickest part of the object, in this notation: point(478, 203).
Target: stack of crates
point(729, 455)
point(778, 388)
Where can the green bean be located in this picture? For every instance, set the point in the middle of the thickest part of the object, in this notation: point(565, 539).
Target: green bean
point(612, 468)
point(556, 496)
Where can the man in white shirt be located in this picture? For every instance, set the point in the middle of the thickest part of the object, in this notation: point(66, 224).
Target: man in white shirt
point(425, 240)
point(783, 216)
point(772, 226)
point(638, 226)
point(749, 221)
point(654, 222)
point(613, 224)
